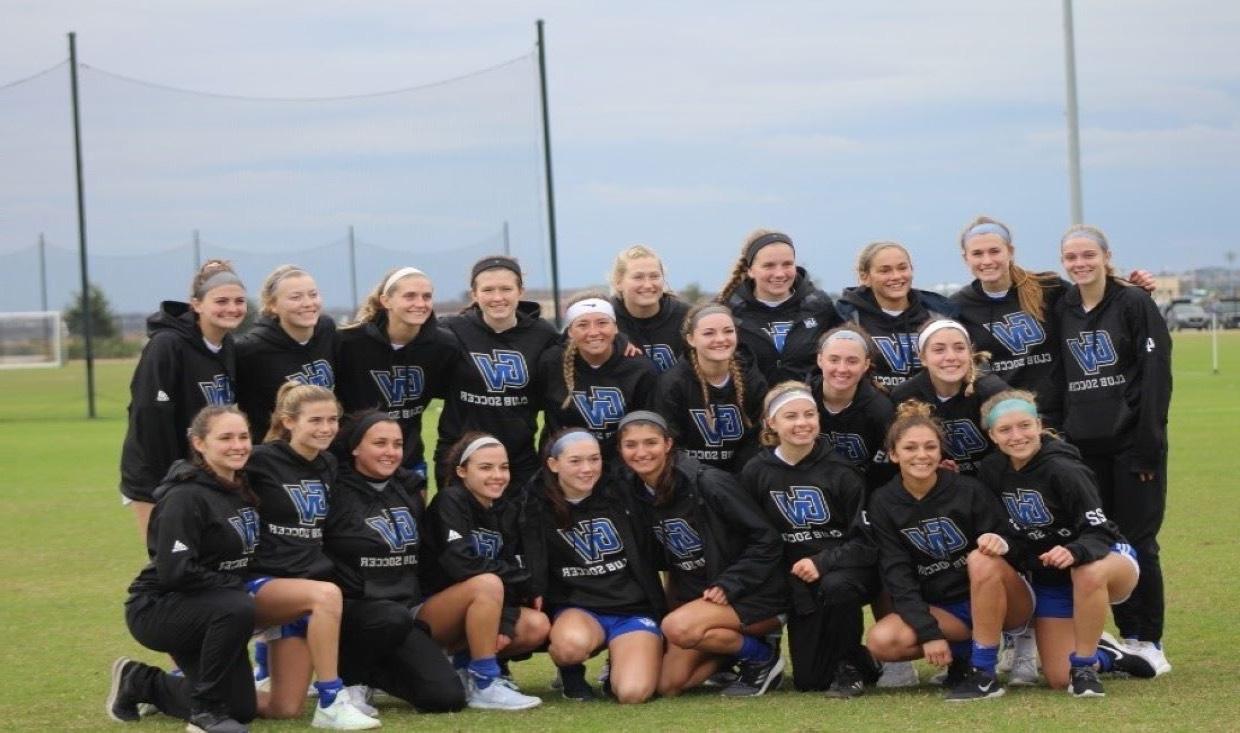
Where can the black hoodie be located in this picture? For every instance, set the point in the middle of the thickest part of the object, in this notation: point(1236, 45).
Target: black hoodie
point(267, 357)
point(495, 388)
point(1053, 500)
point(370, 372)
point(724, 442)
point(659, 335)
point(817, 507)
point(1117, 369)
point(1023, 350)
point(893, 339)
point(712, 534)
point(373, 535)
point(293, 499)
point(967, 442)
point(859, 431)
point(601, 395)
point(464, 539)
point(783, 340)
point(177, 375)
point(201, 536)
point(924, 544)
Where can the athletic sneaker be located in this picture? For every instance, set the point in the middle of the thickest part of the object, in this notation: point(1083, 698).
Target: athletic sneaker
point(209, 722)
point(757, 677)
point(496, 696)
point(1083, 682)
point(577, 690)
point(723, 677)
point(1124, 661)
point(1024, 672)
point(1007, 656)
point(361, 697)
point(847, 683)
point(898, 674)
point(122, 704)
point(1153, 653)
point(342, 714)
point(557, 682)
point(977, 685)
point(955, 673)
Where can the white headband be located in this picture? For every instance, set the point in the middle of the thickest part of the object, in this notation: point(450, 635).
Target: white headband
point(939, 326)
point(399, 275)
point(588, 306)
point(476, 445)
point(786, 397)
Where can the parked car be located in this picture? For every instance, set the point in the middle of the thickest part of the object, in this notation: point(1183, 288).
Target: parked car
point(1228, 311)
point(1187, 315)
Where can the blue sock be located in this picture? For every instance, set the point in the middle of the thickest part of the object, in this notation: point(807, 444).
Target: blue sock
point(484, 671)
point(460, 660)
point(327, 691)
point(961, 649)
point(260, 660)
point(754, 650)
point(1105, 660)
point(985, 657)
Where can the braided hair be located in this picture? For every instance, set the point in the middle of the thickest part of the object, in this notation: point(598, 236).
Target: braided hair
point(735, 370)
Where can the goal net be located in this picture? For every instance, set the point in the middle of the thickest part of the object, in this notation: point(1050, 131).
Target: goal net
point(31, 339)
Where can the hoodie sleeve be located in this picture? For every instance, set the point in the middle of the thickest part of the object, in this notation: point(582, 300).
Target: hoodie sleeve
point(899, 577)
point(153, 411)
point(857, 550)
point(534, 542)
point(763, 546)
point(1153, 344)
point(643, 397)
point(670, 404)
point(178, 541)
point(1078, 490)
point(453, 523)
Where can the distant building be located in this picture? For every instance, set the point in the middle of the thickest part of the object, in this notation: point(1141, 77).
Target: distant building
point(1167, 287)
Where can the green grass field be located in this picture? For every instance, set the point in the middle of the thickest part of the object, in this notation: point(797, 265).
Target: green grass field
point(68, 550)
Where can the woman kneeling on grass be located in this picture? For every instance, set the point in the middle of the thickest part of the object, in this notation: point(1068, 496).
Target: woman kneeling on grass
point(1079, 560)
point(589, 557)
point(941, 541)
point(191, 600)
point(722, 558)
point(373, 536)
point(478, 584)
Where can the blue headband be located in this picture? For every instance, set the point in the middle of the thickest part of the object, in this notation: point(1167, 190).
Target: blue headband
point(1012, 404)
point(987, 227)
point(567, 439)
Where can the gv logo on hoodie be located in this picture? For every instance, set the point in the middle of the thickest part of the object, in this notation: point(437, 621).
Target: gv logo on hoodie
point(219, 391)
point(486, 543)
point(246, 524)
point(662, 356)
point(727, 424)
point(502, 369)
point(310, 500)
point(963, 438)
point(602, 406)
point(397, 527)
point(778, 331)
point(678, 537)
point(1093, 350)
point(938, 537)
point(319, 373)
point(900, 351)
point(849, 445)
point(802, 506)
point(1027, 508)
point(400, 385)
point(1017, 332)
point(592, 539)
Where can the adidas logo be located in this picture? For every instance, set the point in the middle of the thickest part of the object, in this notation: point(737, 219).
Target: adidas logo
point(179, 546)
point(162, 396)
point(454, 535)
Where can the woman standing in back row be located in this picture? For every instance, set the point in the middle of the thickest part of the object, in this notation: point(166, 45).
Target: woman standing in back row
point(647, 313)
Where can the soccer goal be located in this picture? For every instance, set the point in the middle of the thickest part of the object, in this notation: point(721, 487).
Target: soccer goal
point(31, 339)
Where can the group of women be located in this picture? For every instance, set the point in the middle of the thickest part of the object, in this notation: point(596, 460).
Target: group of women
point(782, 459)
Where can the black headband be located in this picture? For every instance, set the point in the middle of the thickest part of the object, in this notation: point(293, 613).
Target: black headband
point(773, 238)
point(368, 421)
point(490, 263)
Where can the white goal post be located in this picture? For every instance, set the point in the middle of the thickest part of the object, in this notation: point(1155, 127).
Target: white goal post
point(31, 339)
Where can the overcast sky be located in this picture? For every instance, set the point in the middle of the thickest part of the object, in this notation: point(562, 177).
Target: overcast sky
point(680, 125)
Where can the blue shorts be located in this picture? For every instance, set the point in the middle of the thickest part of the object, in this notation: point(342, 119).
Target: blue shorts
point(295, 629)
point(962, 610)
point(253, 585)
point(616, 625)
point(1055, 601)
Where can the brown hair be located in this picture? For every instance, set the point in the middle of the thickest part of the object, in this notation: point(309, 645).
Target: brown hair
point(1094, 233)
point(369, 310)
point(910, 414)
point(551, 480)
point(291, 398)
point(740, 270)
point(1029, 285)
point(568, 365)
point(665, 483)
point(200, 427)
point(734, 365)
point(865, 258)
point(272, 283)
point(453, 457)
point(767, 436)
point(977, 358)
point(210, 269)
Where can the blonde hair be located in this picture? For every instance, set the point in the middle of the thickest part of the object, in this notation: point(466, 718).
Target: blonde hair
point(910, 414)
point(370, 308)
point(1093, 233)
point(291, 399)
point(567, 365)
point(865, 259)
point(740, 270)
point(977, 358)
point(272, 283)
point(1029, 285)
point(767, 436)
point(734, 366)
point(620, 267)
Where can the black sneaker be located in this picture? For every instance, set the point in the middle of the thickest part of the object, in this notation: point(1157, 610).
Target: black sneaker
point(847, 683)
point(957, 670)
point(757, 677)
point(1122, 662)
point(212, 722)
point(977, 685)
point(122, 702)
point(574, 686)
point(724, 676)
point(1083, 682)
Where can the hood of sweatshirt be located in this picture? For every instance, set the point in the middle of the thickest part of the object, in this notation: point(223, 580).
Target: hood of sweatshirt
point(267, 329)
point(803, 296)
point(822, 451)
point(921, 304)
point(377, 330)
point(183, 472)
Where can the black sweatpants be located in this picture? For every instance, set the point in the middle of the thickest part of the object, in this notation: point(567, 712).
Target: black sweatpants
point(382, 646)
point(1138, 508)
point(819, 641)
point(206, 633)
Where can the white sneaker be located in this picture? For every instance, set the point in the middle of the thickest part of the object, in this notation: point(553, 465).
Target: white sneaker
point(1153, 653)
point(1007, 656)
point(342, 714)
point(898, 674)
point(1024, 672)
point(262, 685)
point(360, 696)
point(496, 696)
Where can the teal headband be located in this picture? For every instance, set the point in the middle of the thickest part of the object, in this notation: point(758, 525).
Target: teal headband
point(1012, 404)
point(567, 439)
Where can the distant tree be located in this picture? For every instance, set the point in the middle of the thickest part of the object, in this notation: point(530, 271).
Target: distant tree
point(691, 293)
point(102, 319)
